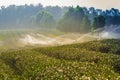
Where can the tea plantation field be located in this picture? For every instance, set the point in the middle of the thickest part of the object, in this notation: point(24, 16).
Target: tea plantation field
point(94, 60)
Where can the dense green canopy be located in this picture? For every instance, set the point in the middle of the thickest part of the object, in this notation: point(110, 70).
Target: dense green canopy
point(44, 19)
point(75, 20)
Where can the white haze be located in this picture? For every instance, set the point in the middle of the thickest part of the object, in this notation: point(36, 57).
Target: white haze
point(16, 39)
point(41, 39)
point(111, 32)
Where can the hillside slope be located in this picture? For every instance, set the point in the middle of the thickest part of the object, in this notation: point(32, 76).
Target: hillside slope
point(95, 60)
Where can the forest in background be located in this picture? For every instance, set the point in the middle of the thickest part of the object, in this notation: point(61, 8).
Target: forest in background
point(66, 19)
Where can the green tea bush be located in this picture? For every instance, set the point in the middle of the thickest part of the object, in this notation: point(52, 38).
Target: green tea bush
point(95, 60)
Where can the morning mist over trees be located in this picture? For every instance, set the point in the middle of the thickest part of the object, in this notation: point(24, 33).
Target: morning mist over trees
point(66, 19)
point(59, 40)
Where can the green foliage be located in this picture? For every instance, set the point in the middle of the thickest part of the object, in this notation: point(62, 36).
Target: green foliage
point(99, 21)
point(68, 62)
point(85, 25)
point(74, 20)
point(44, 20)
point(116, 65)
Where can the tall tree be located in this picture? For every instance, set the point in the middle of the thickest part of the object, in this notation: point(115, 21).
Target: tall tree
point(74, 20)
point(44, 20)
point(99, 22)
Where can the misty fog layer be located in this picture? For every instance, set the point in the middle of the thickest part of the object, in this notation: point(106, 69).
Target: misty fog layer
point(111, 32)
point(23, 38)
point(67, 38)
point(45, 40)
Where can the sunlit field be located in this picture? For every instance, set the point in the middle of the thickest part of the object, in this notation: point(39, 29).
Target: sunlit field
point(94, 60)
point(44, 54)
point(11, 39)
point(59, 40)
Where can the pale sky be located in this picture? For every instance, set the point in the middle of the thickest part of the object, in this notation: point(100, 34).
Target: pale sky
point(102, 4)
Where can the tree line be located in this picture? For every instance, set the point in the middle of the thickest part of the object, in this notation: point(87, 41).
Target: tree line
point(67, 19)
